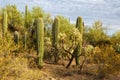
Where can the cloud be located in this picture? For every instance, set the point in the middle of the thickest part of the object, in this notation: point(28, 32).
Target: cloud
point(108, 11)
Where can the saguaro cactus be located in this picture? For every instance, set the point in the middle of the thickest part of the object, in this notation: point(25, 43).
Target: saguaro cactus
point(79, 25)
point(40, 40)
point(25, 40)
point(55, 31)
point(16, 37)
point(26, 16)
point(5, 25)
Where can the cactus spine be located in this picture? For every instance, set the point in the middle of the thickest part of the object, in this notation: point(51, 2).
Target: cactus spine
point(79, 25)
point(5, 25)
point(40, 40)
point(55, 31)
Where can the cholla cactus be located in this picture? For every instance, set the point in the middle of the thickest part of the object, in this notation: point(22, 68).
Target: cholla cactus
point(61, 37)
point(88, 49)
point(76, 35)
point(16, 37)
point(47, 41)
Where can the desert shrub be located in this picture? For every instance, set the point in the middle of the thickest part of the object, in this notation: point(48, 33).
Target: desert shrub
point(16, 68)
point(117, 47)
point(108, 61)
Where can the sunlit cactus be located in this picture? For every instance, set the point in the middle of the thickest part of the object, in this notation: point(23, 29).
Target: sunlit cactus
point(79, 26)
point(26, 15)
point(40, 40)
point(25, 40)
point(5, 25)
point(16, 37)
point(55, 31)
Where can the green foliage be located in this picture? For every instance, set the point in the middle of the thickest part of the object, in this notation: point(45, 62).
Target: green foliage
point(38, 12)
point(116, 41)
point(40, 40)
point(108, 60)
point(79, 25)
point(66, 39)
point(61, 37)
point(90, 33)
point(65, 25)
point(14, 16)
point(116, 37)
point(66, 28)
point(75, 36)
point(5, 24)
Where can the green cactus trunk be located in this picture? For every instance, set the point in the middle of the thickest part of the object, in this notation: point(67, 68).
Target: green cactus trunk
point(40, 40)
point(16, 37)
point(25, 40)
point(5, 25)
point(79, 25)
point(55, 31)
point(26, 16)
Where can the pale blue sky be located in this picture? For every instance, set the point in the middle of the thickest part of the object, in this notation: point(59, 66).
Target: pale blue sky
point(108, 11)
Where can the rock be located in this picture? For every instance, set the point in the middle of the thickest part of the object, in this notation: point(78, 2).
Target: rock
point(52, 79)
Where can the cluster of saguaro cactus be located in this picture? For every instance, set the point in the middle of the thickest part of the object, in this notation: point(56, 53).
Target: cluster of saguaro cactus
point(40, 39)
point(5, 25)
point(79, 25)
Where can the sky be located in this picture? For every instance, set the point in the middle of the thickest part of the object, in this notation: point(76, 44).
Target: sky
point(107, 11)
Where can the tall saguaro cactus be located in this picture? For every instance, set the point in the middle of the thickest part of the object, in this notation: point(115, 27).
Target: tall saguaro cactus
point(26, 15)
point(55, 31)
point(40, 40)
point(5, 25)
point(79, 25)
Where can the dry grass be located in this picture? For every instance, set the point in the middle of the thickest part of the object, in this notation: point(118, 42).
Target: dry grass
point(16, 68)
